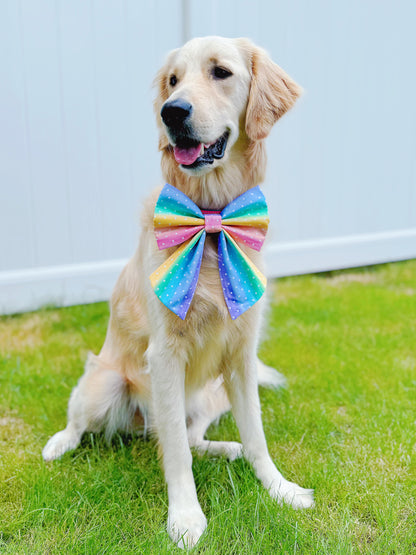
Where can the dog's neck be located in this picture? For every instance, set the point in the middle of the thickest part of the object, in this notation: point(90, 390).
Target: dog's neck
point(243, 170)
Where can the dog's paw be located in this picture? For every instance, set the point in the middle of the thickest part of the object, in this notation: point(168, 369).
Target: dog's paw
point(59, 444)
point(230, 449)
point(292, 494)
point(185, 527)
point(233, 450)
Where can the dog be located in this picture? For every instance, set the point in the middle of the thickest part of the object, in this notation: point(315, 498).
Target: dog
point(217, 100)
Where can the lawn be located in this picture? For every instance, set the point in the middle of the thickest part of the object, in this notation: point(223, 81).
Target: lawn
point(346, 341)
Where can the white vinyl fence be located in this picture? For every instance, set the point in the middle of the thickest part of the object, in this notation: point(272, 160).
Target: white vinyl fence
point(78, 143)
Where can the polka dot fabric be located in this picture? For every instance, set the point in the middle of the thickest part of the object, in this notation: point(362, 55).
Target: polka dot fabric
point(179, 221)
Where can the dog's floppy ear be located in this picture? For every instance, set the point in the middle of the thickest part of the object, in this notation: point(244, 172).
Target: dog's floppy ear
point(272, 94)
point(160, 83)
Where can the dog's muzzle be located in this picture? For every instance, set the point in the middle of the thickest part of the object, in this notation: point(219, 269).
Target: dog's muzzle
point(189, 150)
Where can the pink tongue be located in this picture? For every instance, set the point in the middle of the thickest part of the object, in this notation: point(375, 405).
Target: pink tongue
point(186, 156)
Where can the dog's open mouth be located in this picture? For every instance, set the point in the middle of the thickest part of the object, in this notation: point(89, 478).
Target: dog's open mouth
point(192, 154)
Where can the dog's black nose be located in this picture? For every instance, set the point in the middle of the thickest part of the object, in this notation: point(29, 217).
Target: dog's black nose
point(175, 113)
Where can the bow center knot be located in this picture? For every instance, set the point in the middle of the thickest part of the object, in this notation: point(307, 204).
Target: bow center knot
point(212, 221)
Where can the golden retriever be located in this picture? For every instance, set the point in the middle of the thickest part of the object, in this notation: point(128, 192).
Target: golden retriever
point(217, 101)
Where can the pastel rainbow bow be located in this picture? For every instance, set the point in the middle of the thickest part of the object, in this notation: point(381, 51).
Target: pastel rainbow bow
point(179, 221)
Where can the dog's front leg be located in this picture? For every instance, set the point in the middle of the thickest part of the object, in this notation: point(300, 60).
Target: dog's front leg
point(241, 384)
point(186, 521)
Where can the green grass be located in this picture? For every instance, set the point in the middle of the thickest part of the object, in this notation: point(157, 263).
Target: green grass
point(346, 425)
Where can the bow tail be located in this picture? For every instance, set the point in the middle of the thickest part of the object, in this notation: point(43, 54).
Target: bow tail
point(243, 284)
point(174, 282)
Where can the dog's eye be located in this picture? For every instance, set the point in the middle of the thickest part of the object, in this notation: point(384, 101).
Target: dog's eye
point(221, 73)
point(173, 80)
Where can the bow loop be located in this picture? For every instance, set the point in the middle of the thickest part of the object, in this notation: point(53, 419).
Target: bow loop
point(179, 221)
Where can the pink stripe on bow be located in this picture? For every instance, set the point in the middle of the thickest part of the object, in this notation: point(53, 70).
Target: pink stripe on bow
point(171, 236)
point(251, 236)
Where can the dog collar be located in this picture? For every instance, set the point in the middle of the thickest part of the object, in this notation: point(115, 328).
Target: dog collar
point(179, 221)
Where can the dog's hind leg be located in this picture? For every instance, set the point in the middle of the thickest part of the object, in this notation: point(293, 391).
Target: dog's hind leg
point(99, 401)
point(203, 408)
point(208, 404)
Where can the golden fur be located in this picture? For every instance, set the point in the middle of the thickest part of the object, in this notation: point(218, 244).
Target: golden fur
point(177, 376)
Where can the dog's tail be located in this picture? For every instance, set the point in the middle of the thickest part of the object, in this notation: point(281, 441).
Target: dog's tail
point(269, 377)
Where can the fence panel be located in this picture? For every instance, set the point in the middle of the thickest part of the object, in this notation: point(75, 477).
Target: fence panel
point(78, 139)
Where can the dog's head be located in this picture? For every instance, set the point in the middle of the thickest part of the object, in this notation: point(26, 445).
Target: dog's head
point(214, 92)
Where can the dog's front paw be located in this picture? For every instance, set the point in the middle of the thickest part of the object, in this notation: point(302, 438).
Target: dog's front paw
point(59, 444)
point(292, 494)
point(186, 526)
